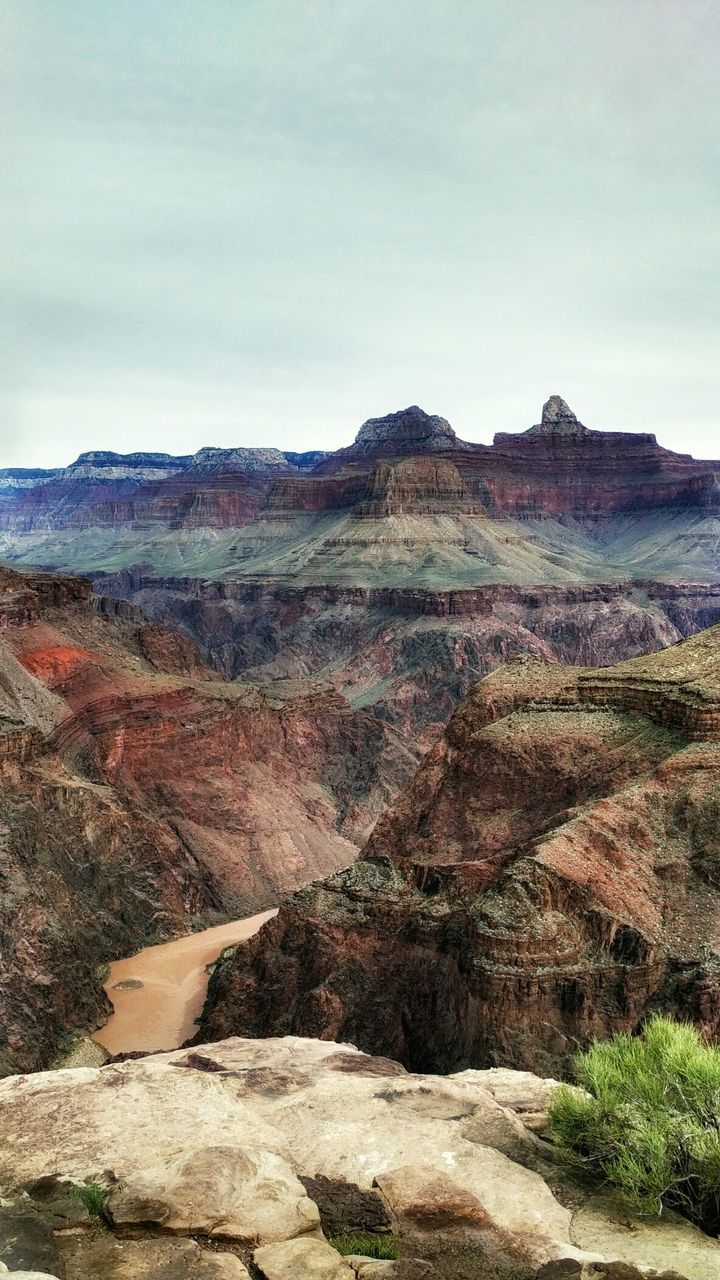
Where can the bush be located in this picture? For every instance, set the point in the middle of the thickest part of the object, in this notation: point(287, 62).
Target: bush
point(650, 1120)
point(367, 1245)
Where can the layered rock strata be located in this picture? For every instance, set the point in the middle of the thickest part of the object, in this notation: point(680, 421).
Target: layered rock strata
point(140, 793)
point(551, 874)
point(411, 654)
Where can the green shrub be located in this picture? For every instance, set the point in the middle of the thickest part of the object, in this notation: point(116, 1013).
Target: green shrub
point(650, 1120)
point(367, 1245)
point(93, 1196)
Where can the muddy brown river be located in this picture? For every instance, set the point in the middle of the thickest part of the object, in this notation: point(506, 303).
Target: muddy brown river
point(157, 994)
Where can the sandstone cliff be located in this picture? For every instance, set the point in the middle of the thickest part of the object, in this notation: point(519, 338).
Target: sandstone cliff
point(550, 875)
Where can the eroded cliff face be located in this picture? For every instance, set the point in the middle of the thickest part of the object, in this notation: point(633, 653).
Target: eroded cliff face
point(550, 875)
point(402, 569)
point(139, 791)
point(409, 655)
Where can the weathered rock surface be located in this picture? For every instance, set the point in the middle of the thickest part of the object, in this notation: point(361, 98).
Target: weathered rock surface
point(317, 1114)
point(32, 1275)
point(105, 1257)
point(314, 1259)
point(550, 875)
point(219, 1191)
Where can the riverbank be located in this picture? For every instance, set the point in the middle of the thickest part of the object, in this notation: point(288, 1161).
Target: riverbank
point(158, 994)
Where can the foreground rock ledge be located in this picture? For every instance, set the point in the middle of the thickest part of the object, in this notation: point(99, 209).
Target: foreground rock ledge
point(265, 1143)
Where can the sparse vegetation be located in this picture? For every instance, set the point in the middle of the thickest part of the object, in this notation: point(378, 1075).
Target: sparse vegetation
point(649, 1121)
point(226, 954)
point(93, 1195)
point(367, 1244)
point(697, 814)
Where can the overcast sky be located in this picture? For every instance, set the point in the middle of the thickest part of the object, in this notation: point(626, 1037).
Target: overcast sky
point(262, 221)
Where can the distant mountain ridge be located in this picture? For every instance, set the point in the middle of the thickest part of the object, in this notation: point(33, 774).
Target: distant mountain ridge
point(559, 467)
point(402, 568)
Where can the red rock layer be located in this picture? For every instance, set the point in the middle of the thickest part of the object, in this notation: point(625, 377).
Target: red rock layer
point(406, 462)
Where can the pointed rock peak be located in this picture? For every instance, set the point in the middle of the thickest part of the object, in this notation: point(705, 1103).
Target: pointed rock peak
point(407, 431)
point(558, 418)
point(556, 409)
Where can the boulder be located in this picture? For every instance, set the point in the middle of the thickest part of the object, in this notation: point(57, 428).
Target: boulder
point(26, 1238)
point(522, 1092)
point(30, 1275)
point(218, 1191)
point(228, 1139)
point(667, 1244)
point(426, 1201)
point(372, 1268)
point(311, 1259)
point(569, 1269)
point(148, 1125)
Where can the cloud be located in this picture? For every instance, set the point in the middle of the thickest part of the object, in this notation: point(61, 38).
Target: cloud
point(263, 222)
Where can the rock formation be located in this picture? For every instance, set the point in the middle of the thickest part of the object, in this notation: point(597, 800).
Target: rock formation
point(252, 1153)
point(410, 654)
point(557, 468)
point(563, 541)
point(139, 791)
point(550, 875)
point(409, 432)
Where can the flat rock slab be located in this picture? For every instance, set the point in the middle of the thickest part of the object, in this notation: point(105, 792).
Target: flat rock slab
point(26, 1240)
point(526, 1094)
point(309, 1259)
point(669, 1243)
point(215, 1140)
point(103, 1257)
point(182, 1143)
point(31, 1275)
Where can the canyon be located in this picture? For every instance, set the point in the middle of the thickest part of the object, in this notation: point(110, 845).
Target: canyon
point(401, 569)
point(265, 645)
point(141, 795)
point(493, 673)
point(550, 875)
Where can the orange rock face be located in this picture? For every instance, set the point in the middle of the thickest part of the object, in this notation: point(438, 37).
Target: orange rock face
point(550, 875)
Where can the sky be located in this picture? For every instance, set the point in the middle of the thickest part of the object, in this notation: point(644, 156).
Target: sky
point(260, 222)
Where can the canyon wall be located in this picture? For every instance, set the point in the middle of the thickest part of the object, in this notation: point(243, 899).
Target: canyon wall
point(550, 875)
point(141, 794)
